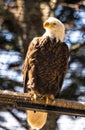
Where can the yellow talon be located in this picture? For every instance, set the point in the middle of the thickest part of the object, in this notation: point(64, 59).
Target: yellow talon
point(47, 99)
point(32, 95)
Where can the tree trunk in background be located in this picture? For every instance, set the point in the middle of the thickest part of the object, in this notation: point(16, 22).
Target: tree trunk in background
point(51, 122)
point(27, 17)
point(33, 16)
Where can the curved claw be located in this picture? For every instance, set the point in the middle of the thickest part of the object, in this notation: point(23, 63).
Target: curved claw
point(49, 98)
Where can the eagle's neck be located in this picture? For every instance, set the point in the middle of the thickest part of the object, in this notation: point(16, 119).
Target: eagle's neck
point(50, 34)
point(59, 35)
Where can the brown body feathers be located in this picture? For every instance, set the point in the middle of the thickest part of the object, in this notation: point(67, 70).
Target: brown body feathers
point(45, 65)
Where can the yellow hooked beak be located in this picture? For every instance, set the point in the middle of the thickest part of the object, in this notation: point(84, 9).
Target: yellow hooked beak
point(47, 24)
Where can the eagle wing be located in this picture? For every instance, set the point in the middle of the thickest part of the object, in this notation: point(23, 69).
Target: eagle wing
point(29, 63)
point(45, 65)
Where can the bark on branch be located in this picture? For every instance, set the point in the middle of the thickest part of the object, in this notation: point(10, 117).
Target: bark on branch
point(59, 106)
point(76, 47)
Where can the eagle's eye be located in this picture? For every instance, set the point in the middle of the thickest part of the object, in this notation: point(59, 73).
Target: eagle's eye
point(54, 23)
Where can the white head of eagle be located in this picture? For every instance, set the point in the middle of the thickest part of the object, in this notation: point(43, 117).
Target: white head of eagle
point(54, 28)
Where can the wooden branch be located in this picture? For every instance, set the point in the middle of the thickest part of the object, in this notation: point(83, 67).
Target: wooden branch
point(61, 106)
point(76, 47)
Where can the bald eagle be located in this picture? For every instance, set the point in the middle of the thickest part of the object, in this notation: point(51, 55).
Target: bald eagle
point(45, 67)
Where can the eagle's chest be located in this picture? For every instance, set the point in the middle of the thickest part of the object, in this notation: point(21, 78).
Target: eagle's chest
point(50, 55)
point(49, 61)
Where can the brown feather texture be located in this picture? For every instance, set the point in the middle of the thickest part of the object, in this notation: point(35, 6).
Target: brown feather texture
point(45, 67)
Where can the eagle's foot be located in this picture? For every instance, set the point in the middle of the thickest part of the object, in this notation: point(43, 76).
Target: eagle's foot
point(49, 98)
point(32, 95)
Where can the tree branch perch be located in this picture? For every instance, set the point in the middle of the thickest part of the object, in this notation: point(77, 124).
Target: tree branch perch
point(59, 106)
